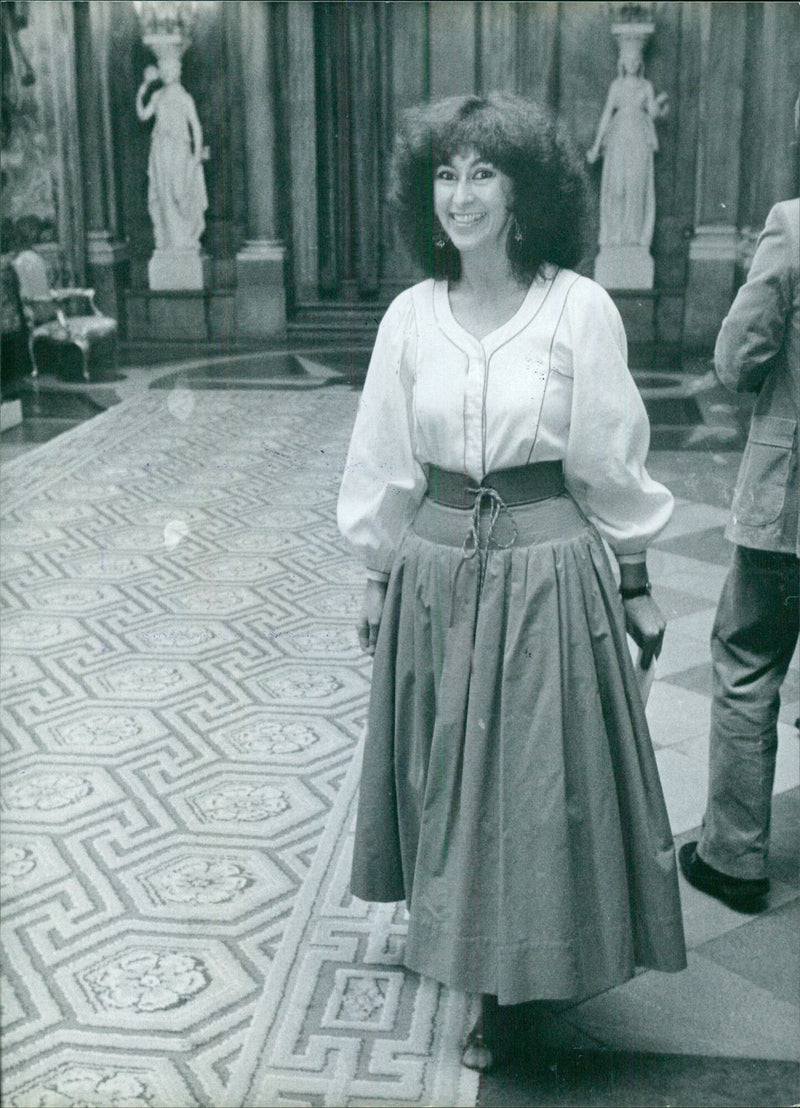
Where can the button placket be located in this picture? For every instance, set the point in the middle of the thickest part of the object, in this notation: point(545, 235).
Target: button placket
point(474, 415)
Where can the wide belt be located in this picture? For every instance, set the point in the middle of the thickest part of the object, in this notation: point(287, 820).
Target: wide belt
point(516, 485)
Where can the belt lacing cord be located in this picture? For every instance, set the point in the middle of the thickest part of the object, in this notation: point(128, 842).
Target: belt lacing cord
point(471, 545)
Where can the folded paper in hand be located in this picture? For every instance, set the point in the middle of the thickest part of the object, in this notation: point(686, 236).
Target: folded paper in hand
point(644, 677)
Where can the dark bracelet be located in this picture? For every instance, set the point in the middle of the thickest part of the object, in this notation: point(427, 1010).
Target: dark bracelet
point(631, 594)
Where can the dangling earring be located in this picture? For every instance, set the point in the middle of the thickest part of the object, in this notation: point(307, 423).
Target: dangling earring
point(517, 231)
point(439, 237)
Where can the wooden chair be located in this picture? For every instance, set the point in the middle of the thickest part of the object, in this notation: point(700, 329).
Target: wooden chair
point(46, 311)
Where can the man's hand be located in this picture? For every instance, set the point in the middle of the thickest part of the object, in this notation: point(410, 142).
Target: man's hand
point(646, 625)
point(370, 619)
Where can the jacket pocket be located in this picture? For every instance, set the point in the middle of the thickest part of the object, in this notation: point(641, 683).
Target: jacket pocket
point(761, 488)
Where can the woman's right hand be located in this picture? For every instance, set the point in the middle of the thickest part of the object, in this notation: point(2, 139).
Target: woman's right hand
point(371, 611)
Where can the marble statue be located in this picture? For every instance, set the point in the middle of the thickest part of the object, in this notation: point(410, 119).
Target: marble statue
point(626, 139)
point(176, 196)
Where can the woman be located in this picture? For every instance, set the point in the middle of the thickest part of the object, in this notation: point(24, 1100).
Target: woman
point(509, 790)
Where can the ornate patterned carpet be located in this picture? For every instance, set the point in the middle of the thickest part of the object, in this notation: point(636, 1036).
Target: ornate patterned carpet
point(183, 696)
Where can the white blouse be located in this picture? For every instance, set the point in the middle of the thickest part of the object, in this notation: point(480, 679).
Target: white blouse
point(551, 383)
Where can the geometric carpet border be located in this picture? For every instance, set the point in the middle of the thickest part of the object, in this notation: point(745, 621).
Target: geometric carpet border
point(295, 1050)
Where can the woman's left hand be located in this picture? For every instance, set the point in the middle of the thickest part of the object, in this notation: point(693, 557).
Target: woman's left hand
point(645, 624)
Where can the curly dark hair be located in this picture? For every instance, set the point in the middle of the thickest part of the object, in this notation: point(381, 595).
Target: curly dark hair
point(551, 192)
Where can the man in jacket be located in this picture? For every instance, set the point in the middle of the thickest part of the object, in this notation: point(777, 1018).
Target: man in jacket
point(756, 627)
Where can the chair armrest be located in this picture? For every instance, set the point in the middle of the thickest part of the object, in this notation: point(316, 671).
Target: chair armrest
point(67, 294)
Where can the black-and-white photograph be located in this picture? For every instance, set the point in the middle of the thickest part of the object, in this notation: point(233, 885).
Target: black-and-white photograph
point(400, 554)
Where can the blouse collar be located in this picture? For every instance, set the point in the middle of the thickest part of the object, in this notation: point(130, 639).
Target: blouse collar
point(535, 297)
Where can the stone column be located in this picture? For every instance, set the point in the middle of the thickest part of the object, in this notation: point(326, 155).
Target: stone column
point(106, 256)
point(713, 248)
point(260, 286)
point(54, 64)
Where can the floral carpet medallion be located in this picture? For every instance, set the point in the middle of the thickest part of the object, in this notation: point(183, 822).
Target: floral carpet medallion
point(91, 1087)
point(147, 980)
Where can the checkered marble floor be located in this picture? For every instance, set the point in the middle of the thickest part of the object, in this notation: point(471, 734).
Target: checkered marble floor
point(183, 700)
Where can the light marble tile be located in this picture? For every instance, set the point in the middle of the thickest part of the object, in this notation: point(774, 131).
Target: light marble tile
point(685, 784)
point(675, 714)
point(680, 652)
point(696, 626)
point(787, 763)
point(706, 1009)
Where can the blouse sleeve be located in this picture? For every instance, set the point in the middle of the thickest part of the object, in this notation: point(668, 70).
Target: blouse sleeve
point(383, 483)
point(609, 432)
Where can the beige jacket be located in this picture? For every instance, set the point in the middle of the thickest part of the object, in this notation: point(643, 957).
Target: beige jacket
point(758, 350)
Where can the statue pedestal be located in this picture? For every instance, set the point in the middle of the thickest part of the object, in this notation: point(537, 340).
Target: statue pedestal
point(260, 289)
point(175, 269)
point(710, 284)
point(624, 267)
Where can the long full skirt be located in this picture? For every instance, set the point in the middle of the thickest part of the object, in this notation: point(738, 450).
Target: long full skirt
point(510, 792)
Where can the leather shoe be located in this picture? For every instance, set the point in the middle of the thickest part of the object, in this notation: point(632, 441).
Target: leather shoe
point(741, 894)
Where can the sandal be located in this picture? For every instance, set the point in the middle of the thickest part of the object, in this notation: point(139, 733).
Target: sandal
point(476, 1055)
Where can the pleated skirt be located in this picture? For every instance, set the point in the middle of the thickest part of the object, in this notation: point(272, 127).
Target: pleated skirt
point(509, 791)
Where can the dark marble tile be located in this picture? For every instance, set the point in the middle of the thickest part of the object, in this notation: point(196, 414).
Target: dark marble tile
point(350, 362)
point(624, 1080)
point(166, 353)
point(234, 373)
point(653, 379)
point(784, 852)
point(670, 438)
point(672, 411)
point(765, 951)
point(65, 404)
point(707, 546)
point(695, 679)
point(263, 384)
point(33, 430)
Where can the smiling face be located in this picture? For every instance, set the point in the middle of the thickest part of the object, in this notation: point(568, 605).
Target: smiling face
point(472, 199)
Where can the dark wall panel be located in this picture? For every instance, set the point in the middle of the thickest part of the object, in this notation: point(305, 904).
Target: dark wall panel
point(721, 107)
point(538, 63)
point(498, 34)
point(588, 60)
point(769, 150)
point(452, 56)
